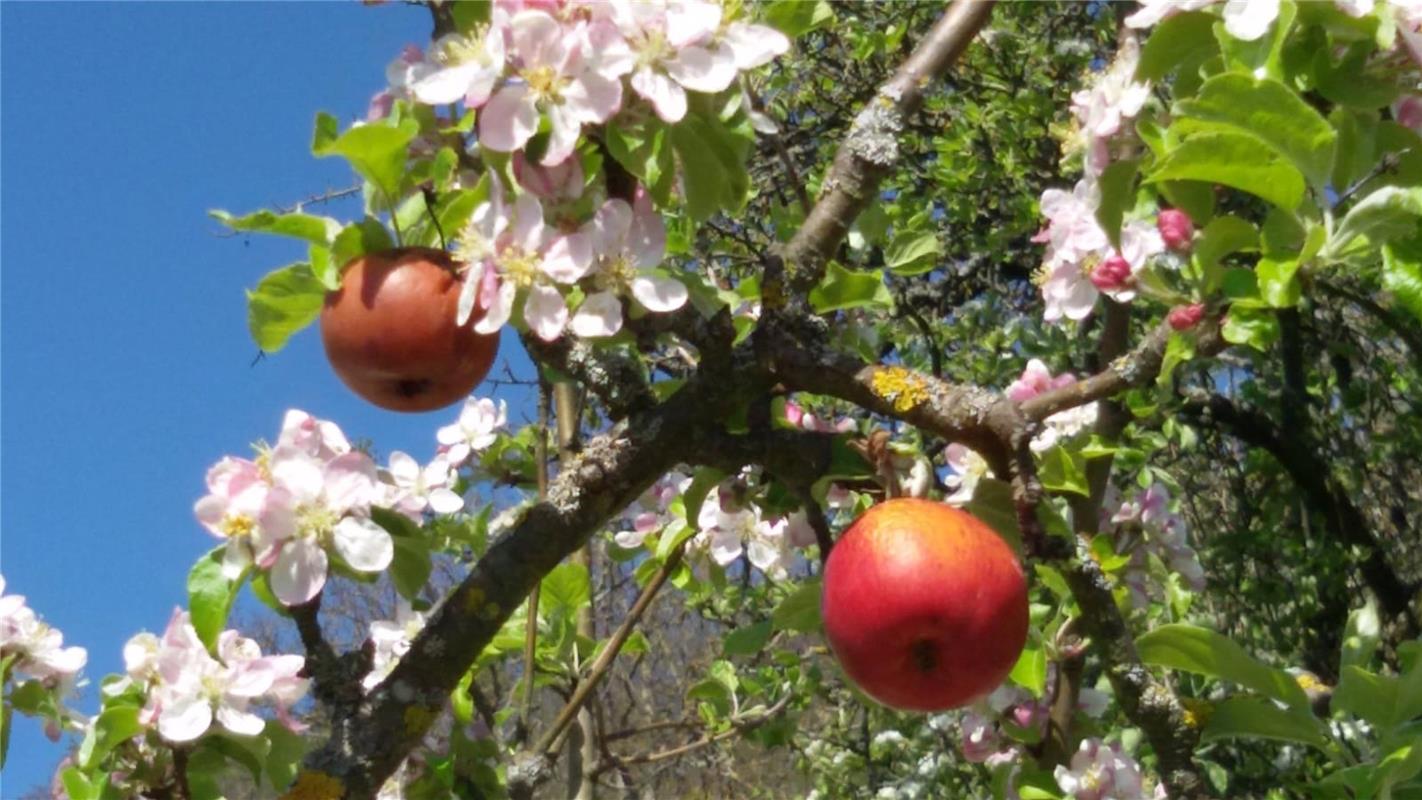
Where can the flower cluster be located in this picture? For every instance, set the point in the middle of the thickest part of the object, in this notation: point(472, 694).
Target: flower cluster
point(308, 498)
point(650, 513)
point(1035, 380)
point(38, 649)
point(187, 689)
point(1098, 771)
point(563, 65)
point(984, 727)
point(1248, 20)
point(728, 528)
point(391, 640)
point(1164, 533)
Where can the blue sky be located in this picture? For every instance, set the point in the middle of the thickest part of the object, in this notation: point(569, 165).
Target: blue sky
point(125, 364)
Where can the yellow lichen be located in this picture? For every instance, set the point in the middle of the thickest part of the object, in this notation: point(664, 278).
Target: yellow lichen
point(474, 599)
point(1195, 712)
point(904, 388)
point(417, 719)
point(315, 785)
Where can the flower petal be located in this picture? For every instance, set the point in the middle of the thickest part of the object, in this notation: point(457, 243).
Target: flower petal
point(545, 313)
point(508, 120)
point(364, 545)
point(659, 294)
point(599, 315)
point(665, 95)
point(299, 572)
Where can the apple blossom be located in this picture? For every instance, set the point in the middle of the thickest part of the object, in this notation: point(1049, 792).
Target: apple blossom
point(1183, 318)
point(627, 243)
point(666, 48)
point(1165, 534)
point(968, 469)
point(1111, 274)
point(1176, 228)
point(415, 488)
point(728, 532)
point(1246, 20)
point(475, 429)
point(1036, 379)
point(554, 79)
point(37, 648)
point(391, 640)
point(1114, 97)
point(459, 67)
point(246, 511)
point(555, 182)
point(397, 76)
point(330, 502)
point(800, 418)
point(188, 689)
point(317, 438)
point(1100, 772)
point(649, 512)
point(508, 251)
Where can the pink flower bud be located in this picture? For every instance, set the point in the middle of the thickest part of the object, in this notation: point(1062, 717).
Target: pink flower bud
point(1176, 228)
point(1113, 273)
point(1407, 111)
point(1183, 318)
point(562, 181)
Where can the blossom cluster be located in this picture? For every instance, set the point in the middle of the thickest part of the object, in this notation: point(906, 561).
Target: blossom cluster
point(1098, 771)
point(37, 649)
point(558, 65)
point(1165, 534)
point(188, 689)
point(308, 498)
point(968, 468)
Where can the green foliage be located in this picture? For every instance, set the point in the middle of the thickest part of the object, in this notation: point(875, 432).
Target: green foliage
point(210, 596)
point(284, 302)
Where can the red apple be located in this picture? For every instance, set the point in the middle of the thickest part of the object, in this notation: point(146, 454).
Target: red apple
point(390, 331)
point(924, 605)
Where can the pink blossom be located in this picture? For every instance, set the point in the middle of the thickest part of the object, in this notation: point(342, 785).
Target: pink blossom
point(460, 67)
point(246, 511)
point(1176, 228)
point(556, 182)
point(1111, 274)
point(1114, 97)
point(980, 739)
point(968, 469)
point(553, 79)
point(37, 648)
point(628, 243)
point(1100, 772)
point(391, 640)
point(666, 46)
point(397, 76)
point(649, 513)
point(508, 251)
point(476, 429)
point(1183, 318)
point(330, 501)
point(414, 488)
point(800, 418)
point(727, 532)
point(1036, 379)
point(1407, 111)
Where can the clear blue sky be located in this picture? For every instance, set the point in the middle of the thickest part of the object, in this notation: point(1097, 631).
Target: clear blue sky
point(126, 361)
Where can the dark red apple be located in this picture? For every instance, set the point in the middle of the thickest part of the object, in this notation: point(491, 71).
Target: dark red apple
point(925, 606)
point(390, 331)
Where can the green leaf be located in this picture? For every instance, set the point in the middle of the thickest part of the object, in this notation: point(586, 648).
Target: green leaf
point(1392, 212)
point(357, 239)
point(410, 568)
point(1255, 327)
point(1271, 112)
point(286, 300)
point(262, 589)
point(1173, 41)
point(210, 596)
point(284, 757)
point(713, 168)
point(376, 152)
point(1355, 156)
point(1367, 695)
point(913, 253)
point(111, 728)
point(79, 787)
point(1063, 471)
point(1255, 718)
point(567, 587)
point(992, 503)
point(1402, 274)
point(314, 229)
point(642, 149)
point(1118, 183)
point(1236, 160)
point(1223, 235)
point(844, 288)
point(1264, 54)
point(800, 611)
point(1179, 349)
point(797, 17)
point(1030, 671)
point(1278, 282)
point(1204, 652)
point(1361, 635)
point(703, 482)
point(746, 641)
point(206, 769)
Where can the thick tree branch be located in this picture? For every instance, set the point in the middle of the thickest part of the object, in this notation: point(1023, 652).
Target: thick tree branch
point(871, 150)
point(1311, 473)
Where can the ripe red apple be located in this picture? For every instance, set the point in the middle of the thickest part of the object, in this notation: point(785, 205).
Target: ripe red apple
point(390, 331)
point(924, 605)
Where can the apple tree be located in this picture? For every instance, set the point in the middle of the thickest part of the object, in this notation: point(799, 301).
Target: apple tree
point(1138, 286)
